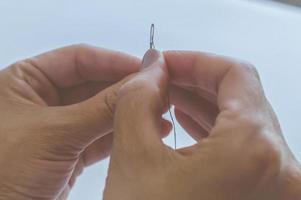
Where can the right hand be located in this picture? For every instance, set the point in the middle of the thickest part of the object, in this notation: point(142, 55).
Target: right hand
point(240, 154)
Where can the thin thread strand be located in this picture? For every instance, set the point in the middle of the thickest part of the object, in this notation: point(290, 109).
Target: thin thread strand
point(152, 46)
point(173, 124)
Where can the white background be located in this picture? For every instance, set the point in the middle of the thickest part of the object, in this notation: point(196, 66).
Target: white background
point(267, 35)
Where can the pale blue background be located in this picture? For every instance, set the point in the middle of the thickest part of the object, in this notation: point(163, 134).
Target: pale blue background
point(267, 35)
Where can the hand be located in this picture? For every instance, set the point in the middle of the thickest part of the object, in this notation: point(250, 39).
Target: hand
point(56, 118)
point(240, 154)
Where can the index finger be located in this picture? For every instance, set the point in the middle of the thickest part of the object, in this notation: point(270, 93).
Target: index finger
point(234, 84)
point(74, 65)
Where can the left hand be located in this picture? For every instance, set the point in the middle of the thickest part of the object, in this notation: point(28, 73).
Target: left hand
point(56, 118)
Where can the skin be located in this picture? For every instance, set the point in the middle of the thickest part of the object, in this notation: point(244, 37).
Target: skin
point(240, 151)
point(57, 118)
point(59, 110)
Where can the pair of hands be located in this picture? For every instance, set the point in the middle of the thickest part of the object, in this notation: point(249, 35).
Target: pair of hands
point(59, 111)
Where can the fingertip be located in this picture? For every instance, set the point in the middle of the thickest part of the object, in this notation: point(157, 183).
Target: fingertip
point(152, 79)
point(151, 57)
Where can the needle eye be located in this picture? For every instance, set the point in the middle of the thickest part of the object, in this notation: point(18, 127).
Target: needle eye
point(152, 34)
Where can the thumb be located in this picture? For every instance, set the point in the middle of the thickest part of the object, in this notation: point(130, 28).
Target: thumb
point(140, 104)
point(83, 123)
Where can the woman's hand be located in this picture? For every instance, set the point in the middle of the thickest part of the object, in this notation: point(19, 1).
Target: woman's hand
point(240, 154)
point(56, 118)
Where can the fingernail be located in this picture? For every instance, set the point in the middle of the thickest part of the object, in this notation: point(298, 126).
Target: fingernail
point(149, 58)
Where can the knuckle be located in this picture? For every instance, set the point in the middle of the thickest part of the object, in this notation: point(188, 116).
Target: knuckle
point(19, 67)
point(81, 47)
point(80, 50)
point(247, 68)
point(255, 130)
point(24, 70)
point(241, 118)
point(27, 74)
point(249, 123)
point(82, 54)
point(251, 68)
point(265, 155)
point(260, 146)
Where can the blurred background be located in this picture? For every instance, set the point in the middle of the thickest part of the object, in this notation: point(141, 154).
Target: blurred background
point(292, 2)
point(266, 33)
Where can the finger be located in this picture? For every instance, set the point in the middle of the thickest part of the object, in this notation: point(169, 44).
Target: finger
point(73, 65)
point(98, 150)
point(235, 84)
point(137, 121)
point(101, 148)
point(200, 110)
point(82, 92)
point(193, 128)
